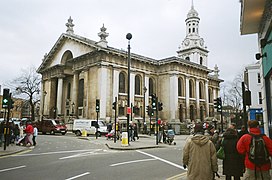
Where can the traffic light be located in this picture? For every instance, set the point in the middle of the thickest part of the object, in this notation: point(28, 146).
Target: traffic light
point(11, 105)
point(219, 106)
point(151, 112)
point(97, 106)
point(114, 105)
point(5, 101)
point(160, 108)
point(154, 101)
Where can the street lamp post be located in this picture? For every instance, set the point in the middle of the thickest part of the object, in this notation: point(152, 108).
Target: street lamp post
point(128, 36)
point(144, 125)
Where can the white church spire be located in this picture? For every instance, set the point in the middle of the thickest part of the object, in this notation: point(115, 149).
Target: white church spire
point(192, 47)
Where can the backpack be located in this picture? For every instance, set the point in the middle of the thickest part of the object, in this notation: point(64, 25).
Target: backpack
point(258, 153)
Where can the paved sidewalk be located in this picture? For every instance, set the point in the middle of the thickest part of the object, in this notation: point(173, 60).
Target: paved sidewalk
point(12, 149)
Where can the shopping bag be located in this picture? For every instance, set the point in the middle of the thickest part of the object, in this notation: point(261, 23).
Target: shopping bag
point(220, 154)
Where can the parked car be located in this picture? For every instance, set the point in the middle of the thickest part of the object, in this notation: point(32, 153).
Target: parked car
point(89, 126)
point(51, 126)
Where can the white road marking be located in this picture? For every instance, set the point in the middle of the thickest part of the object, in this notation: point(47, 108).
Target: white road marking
point(81, 154)
point(9, 169)
point(56, 152)
point(129, 162)
point(163, 160)
point(80, 175)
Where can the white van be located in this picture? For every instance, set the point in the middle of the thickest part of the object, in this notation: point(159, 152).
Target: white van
point(90, 126)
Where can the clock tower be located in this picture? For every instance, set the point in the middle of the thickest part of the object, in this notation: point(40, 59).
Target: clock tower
point(193, 46)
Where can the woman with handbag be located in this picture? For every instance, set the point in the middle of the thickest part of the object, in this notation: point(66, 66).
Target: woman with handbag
point(233, 163)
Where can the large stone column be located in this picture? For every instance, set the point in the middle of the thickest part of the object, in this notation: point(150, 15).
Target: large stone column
point(187, 98)
point(207, 98)
point(59, 95)
point(75, 93)
point(42, 101)
point(173, 94)
point(86, 92)
point(197, 100)
point(115, 84)
point(103, 92)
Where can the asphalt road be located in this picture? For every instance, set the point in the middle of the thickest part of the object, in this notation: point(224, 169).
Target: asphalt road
point(68, 157)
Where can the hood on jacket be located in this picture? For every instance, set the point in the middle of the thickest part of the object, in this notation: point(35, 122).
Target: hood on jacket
point(200, 139)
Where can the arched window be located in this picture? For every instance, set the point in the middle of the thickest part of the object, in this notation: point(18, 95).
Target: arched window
point(137, 85)
point(192, 113)
point(80, 92)
point(69, 91)
point(201, 113)
point(122, 83)
point(187, 58)
point(210, 96)
point(66, 56)
point(191, 89)
point(151, 86)
point(180, 87)
point(201, 61)
point(201, 90)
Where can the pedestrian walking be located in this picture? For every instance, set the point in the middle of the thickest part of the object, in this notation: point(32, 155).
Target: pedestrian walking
point(35, 134)
point(29, 134)
point(255, 170)
point(233, 164)
point(199, 156)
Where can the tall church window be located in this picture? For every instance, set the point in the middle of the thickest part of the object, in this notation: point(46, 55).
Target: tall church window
point(151, 86)
point(80, 92)
point(192, 113)
point(201, 90)
point(122, 83)
point(189, 30)
point(137, 85)
point(191, 89)
point(210, 96)
point(69, 91)
point(180, 87)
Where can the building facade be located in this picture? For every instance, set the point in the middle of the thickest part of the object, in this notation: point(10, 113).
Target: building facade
point(256, 17)
point(77, 71)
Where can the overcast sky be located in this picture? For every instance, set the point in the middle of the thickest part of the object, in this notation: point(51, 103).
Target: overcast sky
point(29, 29)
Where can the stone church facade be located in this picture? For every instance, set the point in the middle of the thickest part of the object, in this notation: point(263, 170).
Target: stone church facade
point(77, 71)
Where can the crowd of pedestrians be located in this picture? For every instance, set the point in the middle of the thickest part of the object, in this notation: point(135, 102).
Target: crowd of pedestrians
point(18, 133)
point(200, 153)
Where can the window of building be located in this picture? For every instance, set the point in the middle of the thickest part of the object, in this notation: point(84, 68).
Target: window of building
point(80, 92)
point(69, 91)
point(201, 90)
point(210, 96)
point(191, 89)
point(259, 78)
point(201, 61)
point(121, 111)
point(137, 85)
point(151, 86)
point(193, 30)
point(180, 87)
point(192, 113)
point(122, 83)
point(260, 98)
point(187, 58)
point(136, 111)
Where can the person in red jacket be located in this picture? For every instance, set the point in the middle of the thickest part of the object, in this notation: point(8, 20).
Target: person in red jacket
point(29, 134)
point(243, 146)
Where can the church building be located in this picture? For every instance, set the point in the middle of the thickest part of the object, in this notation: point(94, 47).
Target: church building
point(77, 71)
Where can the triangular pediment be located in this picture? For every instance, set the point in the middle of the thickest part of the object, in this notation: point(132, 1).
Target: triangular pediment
point(71, 44)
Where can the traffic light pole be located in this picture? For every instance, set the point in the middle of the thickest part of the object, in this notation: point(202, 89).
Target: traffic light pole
point(157, 125)
point(115, 114)
point(96, 134)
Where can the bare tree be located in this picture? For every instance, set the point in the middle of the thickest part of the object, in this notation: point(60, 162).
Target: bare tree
point(28, 85)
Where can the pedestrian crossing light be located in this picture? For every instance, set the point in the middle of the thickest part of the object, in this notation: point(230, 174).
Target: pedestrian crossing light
point(218, 104)
point(97, 106)
point(5, 101)
point(160, 108)
point(114, 105)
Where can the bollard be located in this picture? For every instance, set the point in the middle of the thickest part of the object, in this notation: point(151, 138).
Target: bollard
point(124, 139)
point(84, 133)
